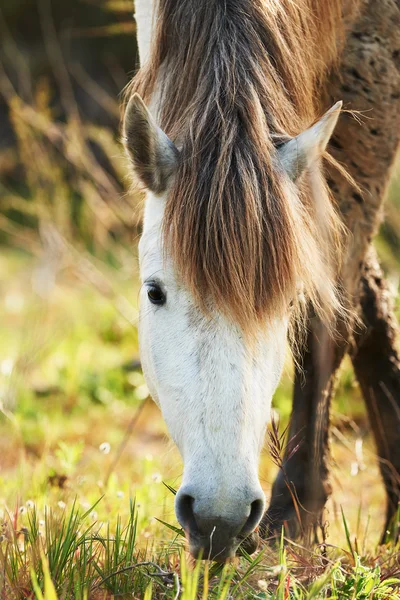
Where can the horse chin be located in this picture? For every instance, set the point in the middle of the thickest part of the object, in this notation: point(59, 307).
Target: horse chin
point(221, 553)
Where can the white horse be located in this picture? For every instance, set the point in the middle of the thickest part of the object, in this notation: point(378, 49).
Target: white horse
point(212, 380)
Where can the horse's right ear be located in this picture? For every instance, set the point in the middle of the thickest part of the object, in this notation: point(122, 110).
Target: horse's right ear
point(152, 154)
point(302, 151)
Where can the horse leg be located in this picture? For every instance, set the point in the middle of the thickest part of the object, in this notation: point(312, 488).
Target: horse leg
point(376, 362)
point(368, 80)
point(301, 488)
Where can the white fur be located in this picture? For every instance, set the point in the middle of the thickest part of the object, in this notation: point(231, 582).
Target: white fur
point(213, 387)
point(144, 20)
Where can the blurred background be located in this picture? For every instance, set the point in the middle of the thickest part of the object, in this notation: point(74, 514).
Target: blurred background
point(75, 420)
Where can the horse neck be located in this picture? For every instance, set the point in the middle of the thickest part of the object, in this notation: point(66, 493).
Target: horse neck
point(144, 17)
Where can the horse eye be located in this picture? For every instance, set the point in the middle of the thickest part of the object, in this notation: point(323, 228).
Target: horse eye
point(156, 295)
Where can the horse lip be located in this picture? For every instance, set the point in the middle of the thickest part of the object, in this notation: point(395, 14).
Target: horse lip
point(197, 544)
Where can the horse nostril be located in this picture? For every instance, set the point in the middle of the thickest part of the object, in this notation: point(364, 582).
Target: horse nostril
point(255, 516)
point(184, 512)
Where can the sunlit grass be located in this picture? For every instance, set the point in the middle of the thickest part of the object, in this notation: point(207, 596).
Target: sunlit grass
point(74, 471)
point(68, 554)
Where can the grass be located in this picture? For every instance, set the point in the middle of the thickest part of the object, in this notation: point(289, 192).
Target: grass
point(84, 453)
point(69, 555)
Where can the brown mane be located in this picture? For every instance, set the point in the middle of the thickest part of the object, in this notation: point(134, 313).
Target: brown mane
point(234, 75)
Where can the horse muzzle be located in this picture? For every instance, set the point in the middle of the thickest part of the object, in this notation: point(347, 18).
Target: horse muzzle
point(219, 537)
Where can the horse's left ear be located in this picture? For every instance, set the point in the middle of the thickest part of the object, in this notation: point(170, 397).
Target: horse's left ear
point(301, 152)
point(152, 154)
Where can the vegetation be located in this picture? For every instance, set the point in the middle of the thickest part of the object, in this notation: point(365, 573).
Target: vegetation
point(84, 513)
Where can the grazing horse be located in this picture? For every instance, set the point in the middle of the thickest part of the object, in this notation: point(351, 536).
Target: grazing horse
point(243, 244)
